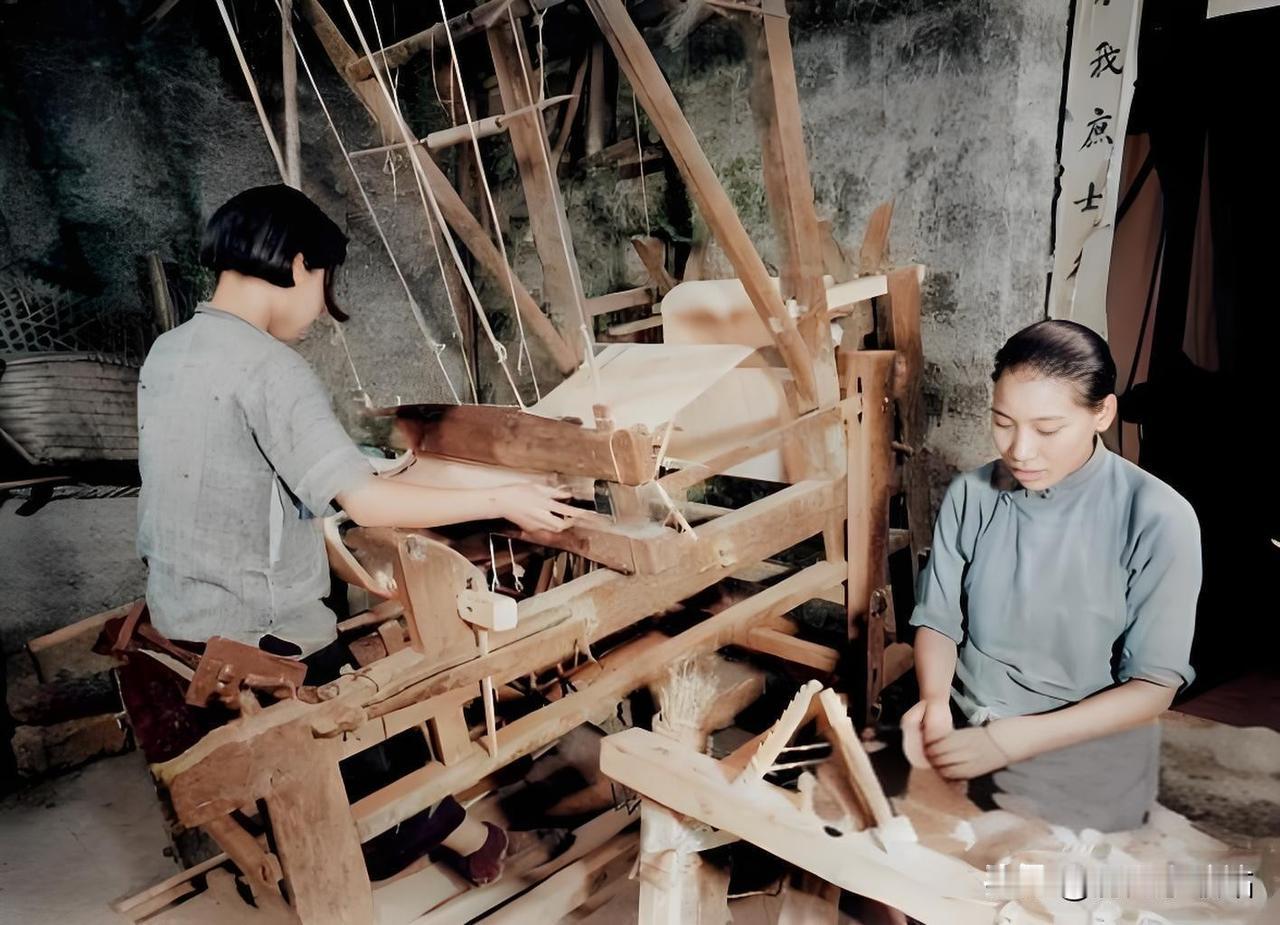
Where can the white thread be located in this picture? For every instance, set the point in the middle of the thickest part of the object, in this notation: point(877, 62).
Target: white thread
point(681, 522)
point(484, 182)
point(644, 192)
point(342, 339)
point(253, 90)
point(570, 264)
point(424, 188)
point(431, 228)
point(672, 509)
point(493, 566)
point(590, 623)
point(516, 571)
point(364, 196)
point(542, 65)
point(790, 765)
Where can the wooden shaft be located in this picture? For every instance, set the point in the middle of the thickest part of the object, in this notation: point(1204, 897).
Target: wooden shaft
point(596, 102)
point(289, 80)
point(486, 692)
point(461, 134)
point(870, 474)
point(460, 26)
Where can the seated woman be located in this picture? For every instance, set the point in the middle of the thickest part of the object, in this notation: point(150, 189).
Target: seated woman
point(1058, 606)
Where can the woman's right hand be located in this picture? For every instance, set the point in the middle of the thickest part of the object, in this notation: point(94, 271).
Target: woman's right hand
point(922, 725)
point(933, 717)
point(535, 507)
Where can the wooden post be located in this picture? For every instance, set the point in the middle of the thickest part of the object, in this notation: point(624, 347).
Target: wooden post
point(561, 288)
point(597, 105)
point(289, 79)
point(676, 887)
point(908, 389)
point(570, 114)
point(161, 303)
point(875, 240)
point(776, 103)
point(870, 473)
point(467, 172)
point(314, 834)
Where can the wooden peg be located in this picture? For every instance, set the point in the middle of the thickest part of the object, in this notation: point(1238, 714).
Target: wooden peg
point(487, 611)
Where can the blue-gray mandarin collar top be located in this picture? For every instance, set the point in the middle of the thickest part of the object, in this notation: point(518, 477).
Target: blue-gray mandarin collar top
point(1054, 595)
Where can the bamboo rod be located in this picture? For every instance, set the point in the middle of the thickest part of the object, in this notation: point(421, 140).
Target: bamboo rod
point(460, 134)
point(289, 75)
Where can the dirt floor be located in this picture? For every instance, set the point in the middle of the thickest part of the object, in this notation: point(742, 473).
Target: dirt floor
point(72, 844)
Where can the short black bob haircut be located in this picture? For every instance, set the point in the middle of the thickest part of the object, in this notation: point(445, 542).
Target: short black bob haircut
point(260, 231)
point(1060, 349)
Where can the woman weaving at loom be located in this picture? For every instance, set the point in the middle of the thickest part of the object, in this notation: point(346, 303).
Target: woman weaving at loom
point(241, 455)
point(1058, 605)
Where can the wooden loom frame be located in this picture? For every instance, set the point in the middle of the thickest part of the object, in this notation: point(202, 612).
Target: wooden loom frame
point(285, 757)
point(865, 848)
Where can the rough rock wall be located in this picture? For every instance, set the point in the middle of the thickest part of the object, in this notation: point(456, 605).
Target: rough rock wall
point(117, 142)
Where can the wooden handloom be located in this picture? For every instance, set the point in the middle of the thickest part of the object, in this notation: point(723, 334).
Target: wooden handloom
point(930, 852)
point(441, 638)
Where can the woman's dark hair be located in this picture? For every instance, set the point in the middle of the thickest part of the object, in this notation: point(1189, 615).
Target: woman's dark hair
point(1058, 349)
point(260, 231)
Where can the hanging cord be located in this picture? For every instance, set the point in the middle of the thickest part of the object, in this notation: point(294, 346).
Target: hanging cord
point(538, 19)
point(410, 142)
point(437, 348)
point(253, 90)
point(488, 194)
point(431, 226)
point(355, 374)
point(672, 509)
point(644, 193)
point(570, 263)
point(493, 566)
point(517, 571)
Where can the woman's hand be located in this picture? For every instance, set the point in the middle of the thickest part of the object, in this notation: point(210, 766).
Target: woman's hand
point(932, 716)
point(980, 750)
point(535, 507)
point(966, 753)
point(925, 723)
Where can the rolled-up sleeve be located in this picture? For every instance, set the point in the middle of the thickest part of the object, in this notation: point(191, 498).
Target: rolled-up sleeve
point(295, 426)
point(941, 582)
point(1164, 573)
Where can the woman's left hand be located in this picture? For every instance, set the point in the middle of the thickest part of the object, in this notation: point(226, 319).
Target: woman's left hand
point(967, 753)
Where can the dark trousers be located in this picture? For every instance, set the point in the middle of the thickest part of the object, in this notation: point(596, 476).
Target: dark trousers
point(165, 726)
